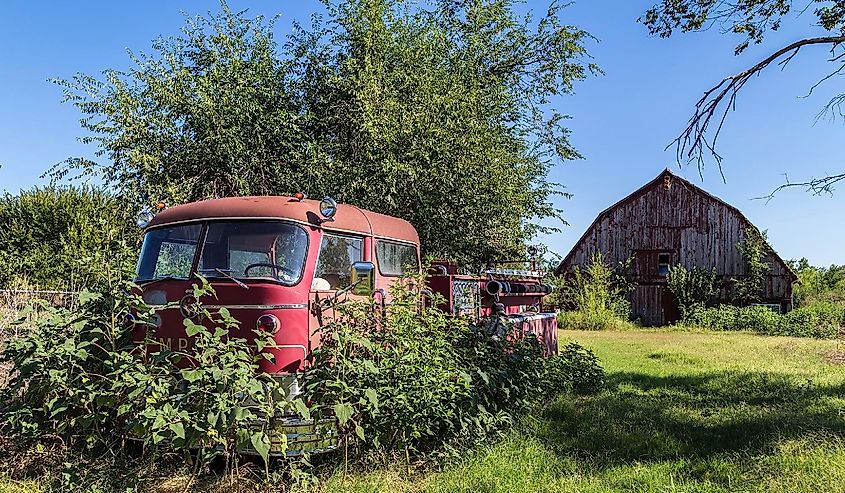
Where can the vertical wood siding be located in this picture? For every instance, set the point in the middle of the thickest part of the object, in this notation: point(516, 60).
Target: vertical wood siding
point(696, 228)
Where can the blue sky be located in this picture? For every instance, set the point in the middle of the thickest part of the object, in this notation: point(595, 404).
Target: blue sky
point(621, 121)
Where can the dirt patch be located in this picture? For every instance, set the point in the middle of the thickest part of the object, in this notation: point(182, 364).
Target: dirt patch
point(834, 356)
point(788, 346)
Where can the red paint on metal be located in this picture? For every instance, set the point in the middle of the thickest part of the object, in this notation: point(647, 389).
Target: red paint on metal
point(348, 218)
point(297, 306)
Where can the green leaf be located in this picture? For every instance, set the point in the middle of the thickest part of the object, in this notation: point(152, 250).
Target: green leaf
point(261, 443)
point(483, 376)
point(178, 429)
point(302, 409)
point(343, 412)
point(192, 329)
point(86, 296)
point(372, 396)
point(370, 366)
point(192, 375)
point(359, 431)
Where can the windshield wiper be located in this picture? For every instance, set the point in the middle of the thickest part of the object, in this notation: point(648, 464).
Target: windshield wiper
point(162, 278)
point(226, 274)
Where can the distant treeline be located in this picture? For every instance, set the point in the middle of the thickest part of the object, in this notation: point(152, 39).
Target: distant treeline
point(816, 284)
point(65, 238)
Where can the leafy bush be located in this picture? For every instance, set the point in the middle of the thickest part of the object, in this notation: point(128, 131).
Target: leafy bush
point(754, 250)
point(78, 375)
point(818, 284)
point(729, 317)
point(413, 380)
point(65, 237)
point(598, 296)
point(691, 287)
point(574, 369)
point(822, 320)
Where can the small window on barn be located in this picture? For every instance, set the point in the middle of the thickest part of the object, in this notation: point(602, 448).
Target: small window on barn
point(663, 260)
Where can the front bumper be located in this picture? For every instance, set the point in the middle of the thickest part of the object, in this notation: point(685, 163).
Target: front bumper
point(293, 436)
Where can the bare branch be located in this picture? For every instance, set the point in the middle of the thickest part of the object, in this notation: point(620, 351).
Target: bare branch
point(695, 142)
point(833, 108)
point(824, 79)
point(816, 186)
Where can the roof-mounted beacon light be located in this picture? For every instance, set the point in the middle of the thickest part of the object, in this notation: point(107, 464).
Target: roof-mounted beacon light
point(144, 218)
point(300, 196)
point(328, 208)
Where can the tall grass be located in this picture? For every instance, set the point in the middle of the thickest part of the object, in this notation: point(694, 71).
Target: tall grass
point(597, 295)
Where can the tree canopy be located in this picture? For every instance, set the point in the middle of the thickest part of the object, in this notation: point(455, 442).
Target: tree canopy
point(65, 238)
point(752, 19)
point(440, 115)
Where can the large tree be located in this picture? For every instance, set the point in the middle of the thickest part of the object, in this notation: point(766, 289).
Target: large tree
point(752, 19)
point(437, 114)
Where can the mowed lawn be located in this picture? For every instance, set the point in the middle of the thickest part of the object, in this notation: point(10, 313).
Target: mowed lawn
point(683, 411)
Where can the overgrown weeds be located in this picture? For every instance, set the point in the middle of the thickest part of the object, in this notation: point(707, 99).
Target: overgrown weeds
point(411, 382)
point(403, 381)
point(597, 297)
point(822, 320)
point(96, 379)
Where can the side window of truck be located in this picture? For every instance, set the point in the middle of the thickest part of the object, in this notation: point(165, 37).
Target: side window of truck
point(395, 259)
point(337, 254)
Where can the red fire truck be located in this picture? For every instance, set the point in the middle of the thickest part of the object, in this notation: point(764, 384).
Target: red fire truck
point(274, 260)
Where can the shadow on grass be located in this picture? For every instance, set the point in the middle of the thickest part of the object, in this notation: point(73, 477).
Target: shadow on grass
point(642, 418)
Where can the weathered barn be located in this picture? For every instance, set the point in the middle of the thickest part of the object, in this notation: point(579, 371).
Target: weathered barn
point(670, 221)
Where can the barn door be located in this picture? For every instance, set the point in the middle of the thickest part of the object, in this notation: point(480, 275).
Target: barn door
point(671, 314)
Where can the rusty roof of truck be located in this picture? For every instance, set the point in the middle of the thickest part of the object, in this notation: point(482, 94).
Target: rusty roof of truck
point(348, 219)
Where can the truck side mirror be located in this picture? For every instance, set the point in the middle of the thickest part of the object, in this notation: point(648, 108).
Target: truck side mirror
point(363, 278)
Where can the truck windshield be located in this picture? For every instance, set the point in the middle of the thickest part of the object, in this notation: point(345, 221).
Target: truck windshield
point(238, 249)
point(168, 252)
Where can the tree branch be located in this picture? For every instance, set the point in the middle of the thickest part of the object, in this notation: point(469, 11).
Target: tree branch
point(816, 186)
point(694, 143)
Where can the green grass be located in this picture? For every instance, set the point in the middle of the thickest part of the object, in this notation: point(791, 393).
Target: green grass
point(683, 411)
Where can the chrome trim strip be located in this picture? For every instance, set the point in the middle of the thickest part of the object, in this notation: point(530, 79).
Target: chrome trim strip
point(290, 346)
point(243, 307)
point(200, 220)
point(259, 307)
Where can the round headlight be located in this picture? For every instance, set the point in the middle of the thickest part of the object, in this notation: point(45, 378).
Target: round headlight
point(189, 306)
point(328, 207)
point(144, 218)
point(268, 323)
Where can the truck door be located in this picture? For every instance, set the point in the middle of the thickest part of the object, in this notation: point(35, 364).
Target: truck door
point(332, 274)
